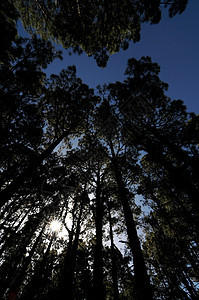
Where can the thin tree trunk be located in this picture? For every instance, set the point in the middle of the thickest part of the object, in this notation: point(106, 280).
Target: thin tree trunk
point(15, 280)
point(75, 247)
point(113, 257)
point(98, 287)
point(28, 173)
point(142, 280)
point(27, 232)
point(40, 277)
point(9, 240)
point(67, 289)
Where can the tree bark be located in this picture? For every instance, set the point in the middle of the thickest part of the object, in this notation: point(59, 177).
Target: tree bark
point(98, 292)
point(113, 257)
point(142, 280)
point(67, 289)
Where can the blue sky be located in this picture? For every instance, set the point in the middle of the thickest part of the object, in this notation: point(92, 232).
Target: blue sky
point(173, 44)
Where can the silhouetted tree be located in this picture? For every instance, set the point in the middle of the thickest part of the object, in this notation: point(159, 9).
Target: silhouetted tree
point(97, 28)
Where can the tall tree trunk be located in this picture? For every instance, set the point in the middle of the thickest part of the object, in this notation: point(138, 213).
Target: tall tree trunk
point(75, 245)
point(38, 281)
point(113, 257)
point(17, 275)
point(67, 289)
point(142, 280)
point(98, 287)
point(8, 241)
point(27, 232)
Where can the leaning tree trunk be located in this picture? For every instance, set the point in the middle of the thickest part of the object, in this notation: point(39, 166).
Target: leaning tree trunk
point(142, 280)
point(33, 223)
point(15, 279)
point(39, 280)
point(29, 172)
point(7, 241)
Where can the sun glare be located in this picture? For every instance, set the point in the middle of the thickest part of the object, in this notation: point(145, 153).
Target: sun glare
point(55, 225)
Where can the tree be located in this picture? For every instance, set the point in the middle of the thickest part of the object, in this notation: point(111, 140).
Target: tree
point(159, 128)
point(111, 137)
point(57, 105)
point(97, 28)
point(22, 84)
point(129, 140)
point(8, 20)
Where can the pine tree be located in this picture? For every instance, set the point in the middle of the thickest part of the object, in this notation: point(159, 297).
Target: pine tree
point(97, 28)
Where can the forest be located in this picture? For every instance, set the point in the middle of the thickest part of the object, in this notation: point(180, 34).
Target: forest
point(84, 171)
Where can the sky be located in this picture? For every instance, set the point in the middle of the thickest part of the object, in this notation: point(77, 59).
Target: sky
point(173, 44)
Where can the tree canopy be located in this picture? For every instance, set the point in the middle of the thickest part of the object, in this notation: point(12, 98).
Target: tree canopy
point(99, 28)
point(83, 172)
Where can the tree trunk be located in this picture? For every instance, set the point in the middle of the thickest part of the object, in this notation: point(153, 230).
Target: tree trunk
point(15, 280)
point(67, 289)
point(142, 280)
point(28, 173)
point(39, 281)
point(98, 287)
point(113, 257)
point(8, 241)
